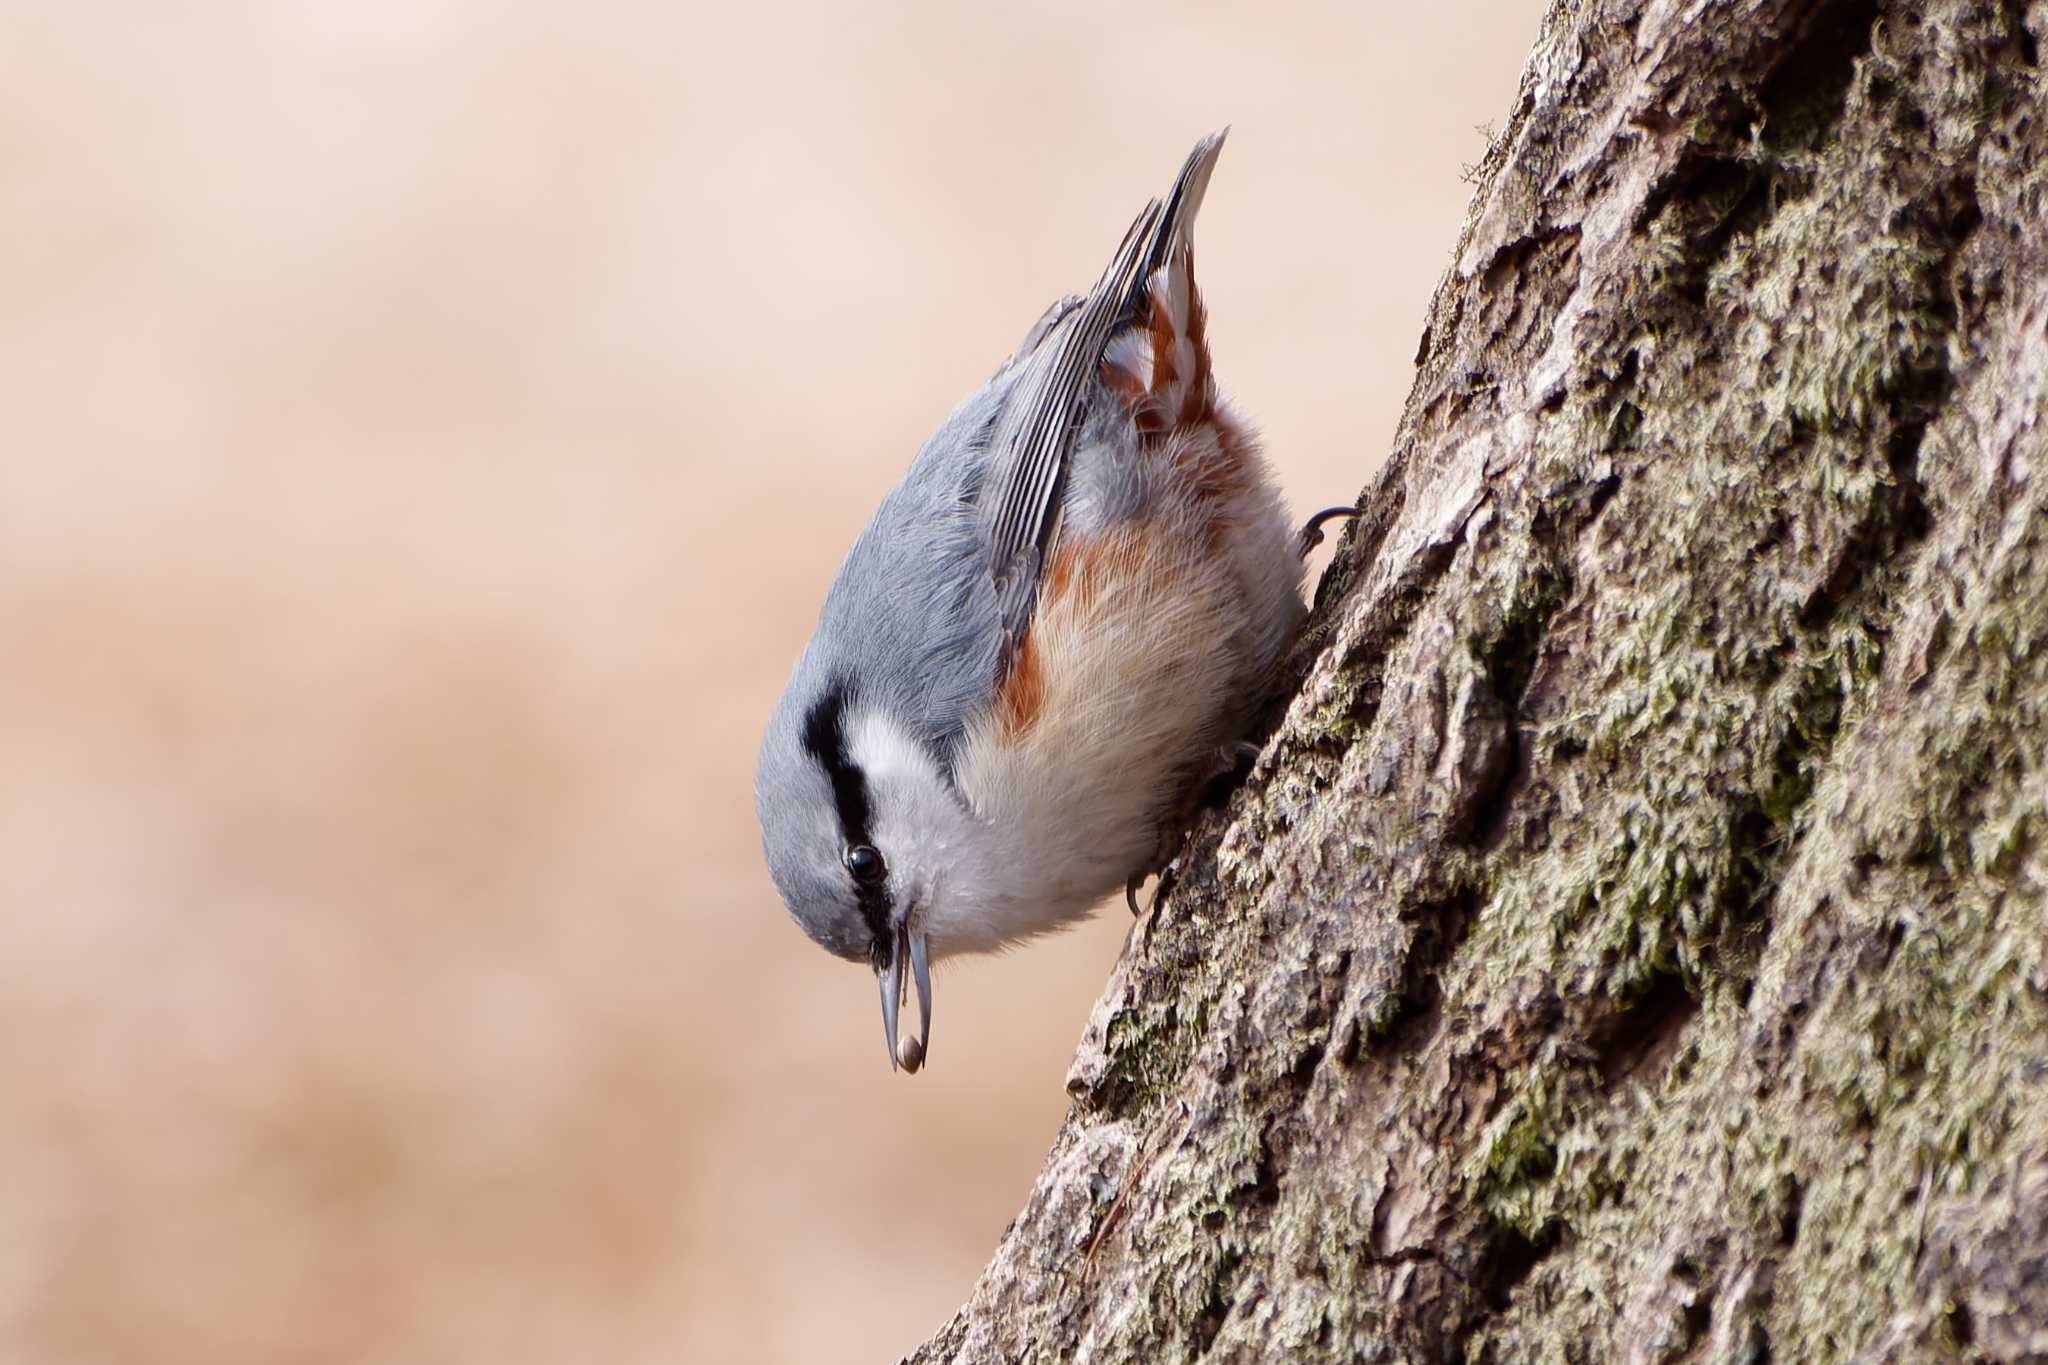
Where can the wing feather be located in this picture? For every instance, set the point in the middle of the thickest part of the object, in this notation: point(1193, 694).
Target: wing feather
point(1036, 430)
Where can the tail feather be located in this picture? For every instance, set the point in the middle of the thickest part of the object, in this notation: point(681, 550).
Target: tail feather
point(1157, 357)
point(1176, 225)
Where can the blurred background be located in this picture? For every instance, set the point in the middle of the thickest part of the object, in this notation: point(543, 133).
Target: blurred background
point(427, 428)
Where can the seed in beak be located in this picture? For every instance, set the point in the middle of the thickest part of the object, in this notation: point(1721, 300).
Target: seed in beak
point(910, 1054)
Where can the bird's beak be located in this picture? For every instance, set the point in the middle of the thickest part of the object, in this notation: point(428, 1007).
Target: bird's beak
point(910, 943)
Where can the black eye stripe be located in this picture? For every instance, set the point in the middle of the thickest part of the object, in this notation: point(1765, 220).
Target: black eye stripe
point(824, 739)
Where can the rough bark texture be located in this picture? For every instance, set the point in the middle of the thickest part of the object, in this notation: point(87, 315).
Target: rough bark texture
point(1631, 943)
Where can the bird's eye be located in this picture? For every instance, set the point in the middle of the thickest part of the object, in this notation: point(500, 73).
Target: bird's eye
point(865, 863)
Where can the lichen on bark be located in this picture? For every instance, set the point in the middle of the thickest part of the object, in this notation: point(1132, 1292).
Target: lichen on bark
point(1631, 942)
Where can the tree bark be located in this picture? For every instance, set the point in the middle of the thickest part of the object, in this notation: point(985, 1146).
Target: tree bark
point(1631, 942)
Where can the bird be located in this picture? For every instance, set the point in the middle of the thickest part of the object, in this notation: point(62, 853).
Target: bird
point(1054, 631)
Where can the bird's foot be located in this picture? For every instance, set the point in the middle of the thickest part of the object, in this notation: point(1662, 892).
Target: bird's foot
point(1237, 754)
point(1312, 533)
point(1167, 876)
point(1228, 761)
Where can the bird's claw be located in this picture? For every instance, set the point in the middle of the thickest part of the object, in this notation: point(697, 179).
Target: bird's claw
point(1312, 533)
point(1168, 875)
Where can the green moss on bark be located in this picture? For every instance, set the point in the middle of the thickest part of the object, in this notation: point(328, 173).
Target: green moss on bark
point(1631, 939)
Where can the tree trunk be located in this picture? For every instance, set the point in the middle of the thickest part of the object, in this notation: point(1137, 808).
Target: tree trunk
point(1631, 942)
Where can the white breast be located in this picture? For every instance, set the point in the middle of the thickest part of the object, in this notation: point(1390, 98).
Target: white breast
point(1149, 645)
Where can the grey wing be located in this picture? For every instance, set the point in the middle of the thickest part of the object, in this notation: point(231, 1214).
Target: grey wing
point(1047, 320)
point(1057, 380)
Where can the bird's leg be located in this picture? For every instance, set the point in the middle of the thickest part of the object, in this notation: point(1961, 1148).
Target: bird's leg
point(1312, 534)
point(1227, 761)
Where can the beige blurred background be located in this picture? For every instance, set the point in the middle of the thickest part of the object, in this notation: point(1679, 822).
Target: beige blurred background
point(426, 430)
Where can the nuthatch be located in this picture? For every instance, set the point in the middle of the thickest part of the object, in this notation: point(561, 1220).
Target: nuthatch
point(1056, 628)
